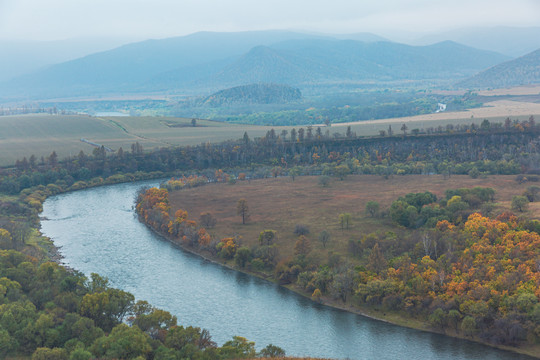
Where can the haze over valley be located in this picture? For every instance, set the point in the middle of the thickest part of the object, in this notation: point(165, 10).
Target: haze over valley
point(269, 179)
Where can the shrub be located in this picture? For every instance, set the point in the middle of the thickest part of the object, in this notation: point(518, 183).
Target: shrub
point(301, 229)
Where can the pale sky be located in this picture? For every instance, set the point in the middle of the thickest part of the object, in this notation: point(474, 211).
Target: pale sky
point(65, 19)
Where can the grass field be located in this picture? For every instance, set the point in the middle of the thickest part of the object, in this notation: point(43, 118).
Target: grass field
point(494, 111)
point(279, 204)
point(178, 131)
point(41, 134)
point(25, 135)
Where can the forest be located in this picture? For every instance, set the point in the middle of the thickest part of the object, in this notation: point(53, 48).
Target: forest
point(474, 276)
point(335, 108)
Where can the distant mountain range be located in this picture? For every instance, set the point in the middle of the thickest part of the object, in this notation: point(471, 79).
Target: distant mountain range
point(206, 62)
point(524, 70)
point(22, 57)
point(511, 41)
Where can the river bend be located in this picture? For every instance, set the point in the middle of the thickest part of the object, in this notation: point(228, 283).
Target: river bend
point(98, 231)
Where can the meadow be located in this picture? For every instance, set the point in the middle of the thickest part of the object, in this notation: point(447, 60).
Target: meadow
point(280, 204)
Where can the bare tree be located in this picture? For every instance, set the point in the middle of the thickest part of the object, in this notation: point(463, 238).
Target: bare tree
point(242, 209)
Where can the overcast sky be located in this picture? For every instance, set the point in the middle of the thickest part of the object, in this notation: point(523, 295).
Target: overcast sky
point(140, 19)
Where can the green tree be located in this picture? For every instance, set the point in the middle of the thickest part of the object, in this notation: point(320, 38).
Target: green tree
point(50, 354)
point(294, 172)
point(341, 171)
point(453, 319)
point(324, 238)
point(468, 326)
point(242, 256)
point(404, 128)
point(238, 348)
point(474, 173)
point(6, 241)
point(80, 354)
point(532, 193)
point(376, 260)
point(266, 237)
point(85, 330)
point(344, 220)
point(155, 321)
point(179, 337)
point(437, 319)
point(520, 203)
point(372, 208)
point(324, 180)
point(107, 308)
point(123, 342)
point(272, 351)
point(7, 343)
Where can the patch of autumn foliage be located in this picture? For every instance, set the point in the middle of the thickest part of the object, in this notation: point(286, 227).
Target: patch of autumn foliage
point(153, 207)
point(185, 182)
point(487, 285)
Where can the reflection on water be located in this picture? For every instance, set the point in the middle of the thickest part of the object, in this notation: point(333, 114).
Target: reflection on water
point(98, 232)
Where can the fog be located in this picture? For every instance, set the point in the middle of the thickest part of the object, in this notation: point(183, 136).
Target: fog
point(142, 19)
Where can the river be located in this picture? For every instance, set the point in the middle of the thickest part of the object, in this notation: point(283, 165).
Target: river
point(98, 231)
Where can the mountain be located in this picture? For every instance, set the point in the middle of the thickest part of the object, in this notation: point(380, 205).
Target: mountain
point(511, 41)
point(127, 67)
point(253, 94)
point(21, 57)
point(315, 61)
point(521, 71)
point(204, 62)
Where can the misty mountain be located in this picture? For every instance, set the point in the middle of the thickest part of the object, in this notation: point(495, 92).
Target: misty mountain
point(524, 70)
point(131, 65)
point(211, 61)
point(301, 62)
point(511, 41)
point(21, 57)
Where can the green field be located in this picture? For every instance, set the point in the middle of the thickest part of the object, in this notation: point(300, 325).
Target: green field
point(24, 135)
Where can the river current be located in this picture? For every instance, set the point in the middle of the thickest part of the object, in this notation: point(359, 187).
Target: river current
point(97, 231)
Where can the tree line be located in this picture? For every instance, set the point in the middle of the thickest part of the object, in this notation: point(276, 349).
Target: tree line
point(503, 149)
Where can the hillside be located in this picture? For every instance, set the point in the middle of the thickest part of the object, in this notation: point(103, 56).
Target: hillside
point(210, 61)
point(508, 40)
point(524, 70)
point(254, 94)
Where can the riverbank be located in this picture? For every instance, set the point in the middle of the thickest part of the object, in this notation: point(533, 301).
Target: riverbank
point(372, 313)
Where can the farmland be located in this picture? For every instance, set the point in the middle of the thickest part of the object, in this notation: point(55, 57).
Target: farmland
point(41, 134)
point(24, 135)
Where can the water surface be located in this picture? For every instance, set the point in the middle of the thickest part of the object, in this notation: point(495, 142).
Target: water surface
point(98, 232)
